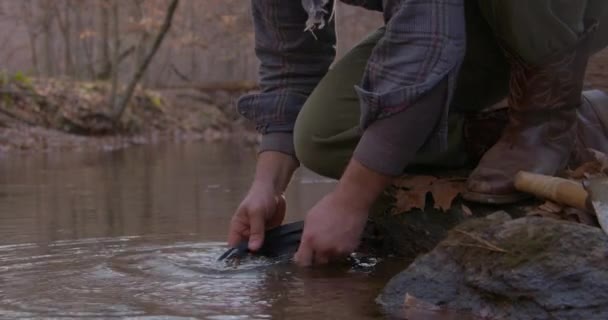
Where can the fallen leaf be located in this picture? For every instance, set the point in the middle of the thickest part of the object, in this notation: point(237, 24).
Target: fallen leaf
point(581, 216)
point(602, 159)
point(407, 200)
point(551, 207)
point(466, 211)
point(596, 167)
point(445, 192)
point(583, 170)
point(412, 190)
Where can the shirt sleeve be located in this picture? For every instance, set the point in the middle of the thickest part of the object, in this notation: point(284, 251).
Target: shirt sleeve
point(293, 61)
point(423, 47)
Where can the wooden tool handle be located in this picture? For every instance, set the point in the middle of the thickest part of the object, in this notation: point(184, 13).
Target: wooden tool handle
point(563, 191)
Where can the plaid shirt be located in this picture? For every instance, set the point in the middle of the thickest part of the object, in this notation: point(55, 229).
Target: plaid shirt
point(423, 45)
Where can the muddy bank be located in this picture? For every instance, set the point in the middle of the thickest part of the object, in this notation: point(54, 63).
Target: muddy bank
point(55, 114)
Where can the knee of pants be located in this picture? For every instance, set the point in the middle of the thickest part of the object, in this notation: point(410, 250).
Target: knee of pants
point(306, 150)
point(326, 131)
point(311, 153)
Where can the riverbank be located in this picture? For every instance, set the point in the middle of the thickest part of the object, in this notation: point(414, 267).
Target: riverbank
point(59, 114)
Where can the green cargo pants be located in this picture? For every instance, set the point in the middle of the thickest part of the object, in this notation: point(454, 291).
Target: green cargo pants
point(327, 128)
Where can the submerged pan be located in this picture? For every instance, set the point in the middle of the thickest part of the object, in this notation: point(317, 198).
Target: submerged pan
point(279, 242)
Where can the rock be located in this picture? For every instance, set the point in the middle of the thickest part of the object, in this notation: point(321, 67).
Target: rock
point(500, 268)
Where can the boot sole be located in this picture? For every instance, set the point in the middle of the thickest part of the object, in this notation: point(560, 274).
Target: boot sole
point(499, 199)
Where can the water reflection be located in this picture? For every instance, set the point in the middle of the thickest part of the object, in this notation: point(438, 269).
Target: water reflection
point(183, 189)
point(136, 234)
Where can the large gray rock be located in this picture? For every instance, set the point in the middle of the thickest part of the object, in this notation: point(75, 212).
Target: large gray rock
point(499, 268)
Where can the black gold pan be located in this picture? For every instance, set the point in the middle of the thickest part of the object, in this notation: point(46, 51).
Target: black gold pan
point(281, 242)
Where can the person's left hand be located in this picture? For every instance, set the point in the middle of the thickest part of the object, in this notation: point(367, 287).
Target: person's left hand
point(332, 229)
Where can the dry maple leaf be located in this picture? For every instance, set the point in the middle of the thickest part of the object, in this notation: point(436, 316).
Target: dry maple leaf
point(583, 170)
point(407, 200)
point(412, 190)
point(445, 192)
point(598, 166)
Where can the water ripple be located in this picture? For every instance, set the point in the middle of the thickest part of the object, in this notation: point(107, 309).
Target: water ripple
point(154, 278)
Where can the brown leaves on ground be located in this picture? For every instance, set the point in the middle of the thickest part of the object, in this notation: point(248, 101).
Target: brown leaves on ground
point(598, 167)
point(557, 211)
point(411, 192)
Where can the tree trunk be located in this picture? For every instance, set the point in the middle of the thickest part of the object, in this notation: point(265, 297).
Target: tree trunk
point(141, 47)
point(104, 40)
point(141, 69)
point(47, 33)
point(115, 54)
point(84, 50)
point(65, 26)
point(27, 12)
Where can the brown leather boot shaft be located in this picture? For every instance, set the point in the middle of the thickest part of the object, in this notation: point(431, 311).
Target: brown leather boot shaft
point(541, 132)
point(483, 130)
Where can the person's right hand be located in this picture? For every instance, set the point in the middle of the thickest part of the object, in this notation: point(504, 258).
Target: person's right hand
point(260, 210)
point(264, 206)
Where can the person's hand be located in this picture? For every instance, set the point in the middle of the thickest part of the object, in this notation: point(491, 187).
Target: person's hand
point(260, 210)
point(264, 206)
point(332, 230)
point(333, 227)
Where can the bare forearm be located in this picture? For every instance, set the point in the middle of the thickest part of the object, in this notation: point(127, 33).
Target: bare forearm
point(274, 170)
point(361, 186)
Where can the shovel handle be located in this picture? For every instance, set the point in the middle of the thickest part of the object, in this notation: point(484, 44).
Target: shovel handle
point(563, 191)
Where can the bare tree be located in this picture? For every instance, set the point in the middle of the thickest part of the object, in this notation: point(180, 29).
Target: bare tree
point(31, 26)
point(62, 14)
point(212, 43)
point(84, 50)
point(104, 39)
point(122, 104)
point(115, 53)
point(47, 36)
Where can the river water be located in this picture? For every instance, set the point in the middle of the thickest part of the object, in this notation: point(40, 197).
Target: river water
point(135, 234)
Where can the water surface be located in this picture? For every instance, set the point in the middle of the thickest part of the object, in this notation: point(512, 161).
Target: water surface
point(135, 234)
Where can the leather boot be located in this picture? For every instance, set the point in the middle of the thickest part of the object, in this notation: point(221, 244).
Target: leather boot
point(541, 133)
